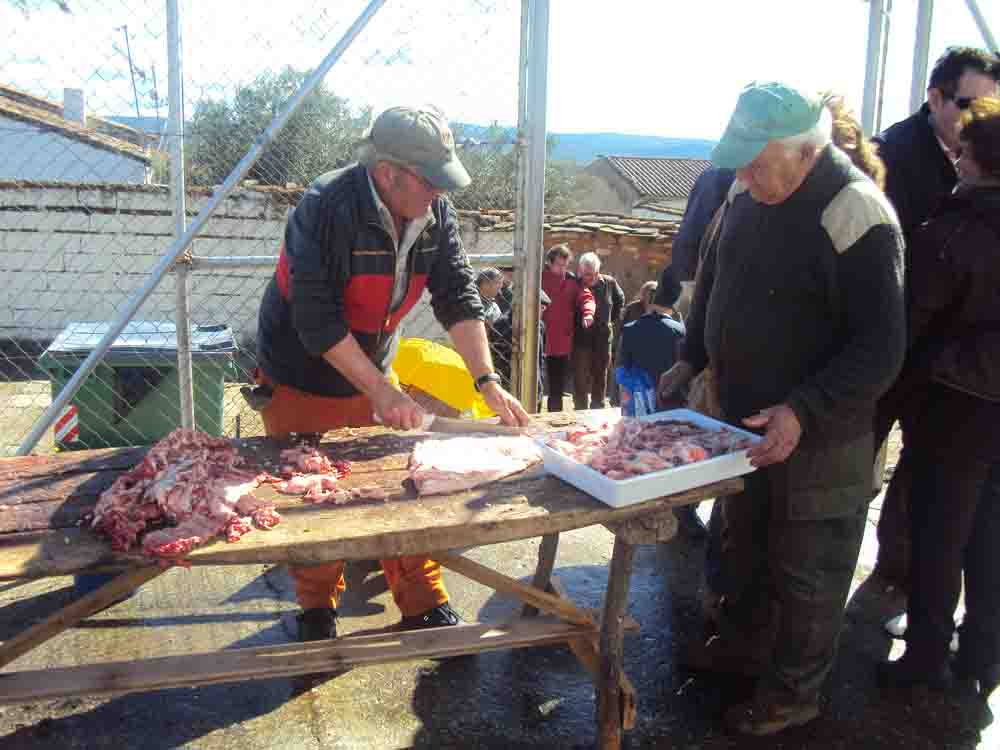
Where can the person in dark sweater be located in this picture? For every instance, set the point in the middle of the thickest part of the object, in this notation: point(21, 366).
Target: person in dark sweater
point(949, 394)
point(707, 194)
point(919, 154)
point(360, 249)
point(799, 310)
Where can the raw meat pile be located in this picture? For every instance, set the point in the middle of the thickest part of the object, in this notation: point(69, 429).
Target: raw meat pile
point(633, 447)
point(439, 466)
point(309, 473)
point(190, 480)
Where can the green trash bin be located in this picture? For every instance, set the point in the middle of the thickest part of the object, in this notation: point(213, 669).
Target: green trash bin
point(133, 396)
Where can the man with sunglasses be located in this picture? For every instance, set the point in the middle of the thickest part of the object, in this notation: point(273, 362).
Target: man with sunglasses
point(360, 248)
point(919, 154)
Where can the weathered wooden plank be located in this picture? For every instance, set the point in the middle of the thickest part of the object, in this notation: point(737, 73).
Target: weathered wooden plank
point(70, 615)
point(42, 516)
point(54, 487)
point(280, 661)
point(77, 462)
point(501, 512)
point(543, 571)
point(610, 718)
point(505, 585)
point(586, 651)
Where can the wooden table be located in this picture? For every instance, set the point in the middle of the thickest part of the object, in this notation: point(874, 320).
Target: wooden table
point(42, 499)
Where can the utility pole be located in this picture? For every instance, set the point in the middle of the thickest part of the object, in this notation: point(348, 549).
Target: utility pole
point(128, 52)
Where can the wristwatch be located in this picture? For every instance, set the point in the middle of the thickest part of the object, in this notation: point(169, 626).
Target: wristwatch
point(490, 377)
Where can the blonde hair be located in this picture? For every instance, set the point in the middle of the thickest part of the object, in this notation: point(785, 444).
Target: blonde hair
point(981, 133)
point(850, 138)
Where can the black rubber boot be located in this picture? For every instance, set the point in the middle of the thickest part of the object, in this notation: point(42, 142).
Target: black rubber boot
point(440, 616)
point(318, 624)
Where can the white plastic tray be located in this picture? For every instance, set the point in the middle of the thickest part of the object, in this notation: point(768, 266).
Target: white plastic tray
point(622, 492)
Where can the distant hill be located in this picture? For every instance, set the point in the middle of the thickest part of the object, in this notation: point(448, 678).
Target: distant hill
point(583, 148)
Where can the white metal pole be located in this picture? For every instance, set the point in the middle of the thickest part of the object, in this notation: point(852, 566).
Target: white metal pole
point(178, 187)
point(921, 54)
point(537, 73)
point(984, 28)
point(873, 65)
point(880, 100)
point(179, 245)
point(521, 188)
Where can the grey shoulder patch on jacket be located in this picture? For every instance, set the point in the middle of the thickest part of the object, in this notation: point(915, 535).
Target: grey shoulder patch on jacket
point(858, 207)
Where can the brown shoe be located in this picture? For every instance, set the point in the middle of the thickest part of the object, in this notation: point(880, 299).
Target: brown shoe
point(769, 714)
point(720, 655)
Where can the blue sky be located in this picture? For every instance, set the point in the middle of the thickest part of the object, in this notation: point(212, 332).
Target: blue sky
point(637, 66)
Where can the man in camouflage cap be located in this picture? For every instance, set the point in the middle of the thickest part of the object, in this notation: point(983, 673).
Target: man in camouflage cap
point(360, 248)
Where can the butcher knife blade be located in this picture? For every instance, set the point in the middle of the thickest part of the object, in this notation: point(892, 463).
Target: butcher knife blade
point(434, 423)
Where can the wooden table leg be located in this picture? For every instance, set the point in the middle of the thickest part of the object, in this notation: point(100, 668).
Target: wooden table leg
point(70, 615)
point(543, 573)
point(609, 695)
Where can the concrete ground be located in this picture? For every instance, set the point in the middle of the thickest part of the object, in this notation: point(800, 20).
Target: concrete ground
point(539, 698)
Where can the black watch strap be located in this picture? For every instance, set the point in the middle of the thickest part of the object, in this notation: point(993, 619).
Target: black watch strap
point(490, 377)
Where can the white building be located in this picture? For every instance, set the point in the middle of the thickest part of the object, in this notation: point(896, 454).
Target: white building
point(38, 142)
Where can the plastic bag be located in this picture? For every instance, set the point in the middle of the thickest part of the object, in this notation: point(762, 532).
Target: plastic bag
point(638, 392)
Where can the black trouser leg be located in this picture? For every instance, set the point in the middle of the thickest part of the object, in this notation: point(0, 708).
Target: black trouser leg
point(980, 631)
point(943, 508)
point(812, 565)
point(893, 531)
point(556, 369)
point(582, 376)
point(600, 361)
point(786, 583)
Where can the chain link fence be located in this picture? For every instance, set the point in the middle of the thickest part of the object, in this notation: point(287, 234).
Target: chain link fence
point(85, 213)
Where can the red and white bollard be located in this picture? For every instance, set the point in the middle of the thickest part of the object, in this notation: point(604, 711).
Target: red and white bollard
point(67, 427)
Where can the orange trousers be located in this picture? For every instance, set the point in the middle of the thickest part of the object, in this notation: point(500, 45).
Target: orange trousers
point(415, 581)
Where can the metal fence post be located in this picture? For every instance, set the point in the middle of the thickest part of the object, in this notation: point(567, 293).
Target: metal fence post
point(921, 52)
point(178, 187)
point(179, 245)
point(874, 66)
point(984, 28)
point(531, 199)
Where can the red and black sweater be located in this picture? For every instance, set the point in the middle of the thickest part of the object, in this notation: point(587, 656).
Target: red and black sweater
point(335, 276)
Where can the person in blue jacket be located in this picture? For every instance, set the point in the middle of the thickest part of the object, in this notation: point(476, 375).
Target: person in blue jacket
point(651, 343)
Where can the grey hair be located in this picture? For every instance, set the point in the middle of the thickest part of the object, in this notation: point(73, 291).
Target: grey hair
point(590, 260)
point(488, 274)
point(366, 155)
point(817, 137)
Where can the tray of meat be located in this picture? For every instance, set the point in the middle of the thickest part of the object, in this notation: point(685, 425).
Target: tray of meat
point(631, 460)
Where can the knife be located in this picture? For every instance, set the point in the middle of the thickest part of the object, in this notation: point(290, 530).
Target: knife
point(434, 423)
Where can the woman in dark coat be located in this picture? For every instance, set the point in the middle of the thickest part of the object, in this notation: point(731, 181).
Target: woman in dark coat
point(950, 392)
